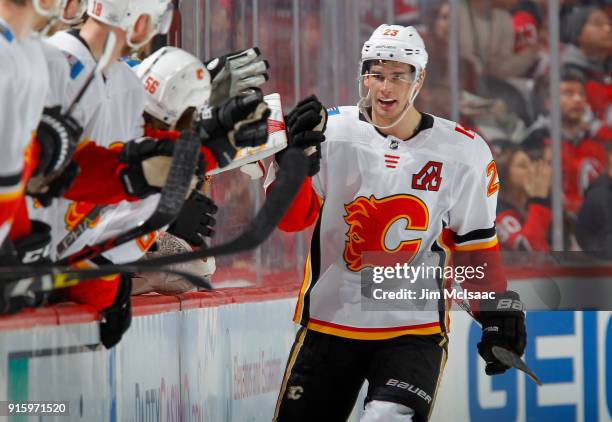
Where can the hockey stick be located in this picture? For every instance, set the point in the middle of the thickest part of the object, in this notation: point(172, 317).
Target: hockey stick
point(505, 356)
point(172, 197)
point(292, 173)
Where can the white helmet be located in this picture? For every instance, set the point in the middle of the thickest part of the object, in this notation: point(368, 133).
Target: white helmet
point(392, 43)
point(124, 14)
point(78, 16)
point(175, 80)
point(54, 11)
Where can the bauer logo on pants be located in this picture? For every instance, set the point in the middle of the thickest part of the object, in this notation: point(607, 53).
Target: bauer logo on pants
point(412, 388)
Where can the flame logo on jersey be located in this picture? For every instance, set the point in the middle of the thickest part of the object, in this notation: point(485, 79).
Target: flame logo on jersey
point(383, 225)
point(76, 212)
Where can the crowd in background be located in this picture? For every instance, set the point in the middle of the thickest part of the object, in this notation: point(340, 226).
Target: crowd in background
point(504, 71)
point(504, 67)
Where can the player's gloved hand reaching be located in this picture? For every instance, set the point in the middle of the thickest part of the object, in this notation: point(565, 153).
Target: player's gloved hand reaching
point(148, 163)
point(503, 324)
point(305, 127)
point(235, 72)
point(239, 122)
point(57, 136)
point(195, 221)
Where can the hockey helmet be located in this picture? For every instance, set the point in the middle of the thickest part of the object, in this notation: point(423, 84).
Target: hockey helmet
point(124, 14)
point(53, 11)
point(174, 80)
point(78, 16)
point(397, 43)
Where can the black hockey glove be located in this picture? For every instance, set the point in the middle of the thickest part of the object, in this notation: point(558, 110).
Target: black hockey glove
point(117, 318)
point(195, 221)
point(235, 72)
point(56, 187)
point(306, 125)
point(32, 249)
point(239, 122)
point(58, 137)
point(503, 324)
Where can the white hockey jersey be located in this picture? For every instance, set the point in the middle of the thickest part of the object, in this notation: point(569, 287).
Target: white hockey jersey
point(111, 112)
point(23, 88)
point(383, 194)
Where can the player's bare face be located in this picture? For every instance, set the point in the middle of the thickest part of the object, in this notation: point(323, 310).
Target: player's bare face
point(389, 84)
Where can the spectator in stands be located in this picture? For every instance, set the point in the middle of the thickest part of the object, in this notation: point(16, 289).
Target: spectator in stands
point(436, 34)
point(527, 21)
point(487, 39)
point(594, 225)
point(523, 211)
point(588, 30)
point(583, 158)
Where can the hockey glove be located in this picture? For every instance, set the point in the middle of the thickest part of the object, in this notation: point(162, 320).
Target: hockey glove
point(58, 137)
point(117, 318)
point(503, 324)
point(305, 127)
point(239, 122)
point(31, 249)
point(195, 221)
point(148, 163)
point(236, 72)
point(56, 187)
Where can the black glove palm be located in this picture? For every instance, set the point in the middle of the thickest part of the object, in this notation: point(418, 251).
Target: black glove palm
point(195, 221)
point(239, 122)
point(503, 324)
point(305, 126)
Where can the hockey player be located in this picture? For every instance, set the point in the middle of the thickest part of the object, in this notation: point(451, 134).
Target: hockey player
point(23, 89)
point(392, 181)
point(178, 88)
point(114, 104)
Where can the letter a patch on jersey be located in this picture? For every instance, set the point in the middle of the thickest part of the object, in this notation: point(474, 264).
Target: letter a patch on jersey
point(429, 177)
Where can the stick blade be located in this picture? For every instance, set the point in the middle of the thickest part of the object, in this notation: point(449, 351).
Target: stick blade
point(512, 360)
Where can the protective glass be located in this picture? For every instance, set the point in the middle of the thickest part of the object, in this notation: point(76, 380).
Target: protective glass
point(165, 20)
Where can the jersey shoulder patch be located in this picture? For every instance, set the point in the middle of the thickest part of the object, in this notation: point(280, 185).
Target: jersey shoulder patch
point(332, 111)
point(131, 62)
point(6, 33)
point(76, 66)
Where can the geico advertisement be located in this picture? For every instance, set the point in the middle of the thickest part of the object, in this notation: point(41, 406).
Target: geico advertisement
point(569, 351)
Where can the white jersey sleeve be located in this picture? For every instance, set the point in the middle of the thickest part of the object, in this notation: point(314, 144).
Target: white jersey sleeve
point(474, 202)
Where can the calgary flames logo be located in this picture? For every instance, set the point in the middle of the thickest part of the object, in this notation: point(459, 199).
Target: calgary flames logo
point(77, 211)
point(381, 225)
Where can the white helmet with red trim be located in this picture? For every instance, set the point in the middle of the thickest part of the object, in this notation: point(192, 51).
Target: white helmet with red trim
point(124, 14)
point(393, 43)
point(175, 81)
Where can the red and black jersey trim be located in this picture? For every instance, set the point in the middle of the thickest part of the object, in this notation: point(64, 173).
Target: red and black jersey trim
point(315, 265)
point(435, 247)
point(10, 180)
point(479, 234)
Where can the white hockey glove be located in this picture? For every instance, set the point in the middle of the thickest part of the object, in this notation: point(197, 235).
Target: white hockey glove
point(235, 72)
